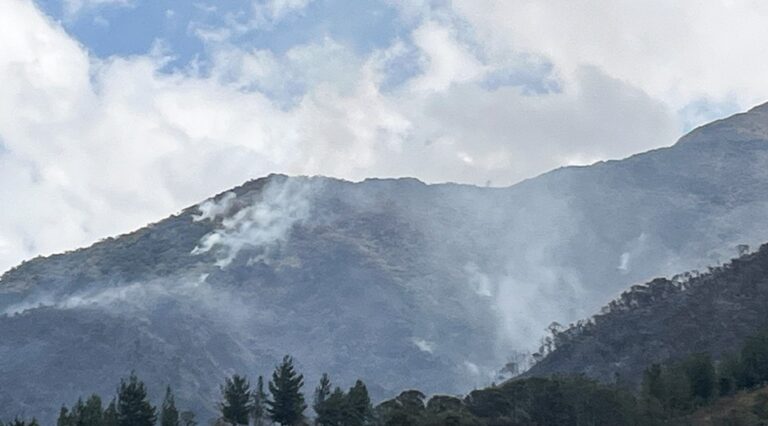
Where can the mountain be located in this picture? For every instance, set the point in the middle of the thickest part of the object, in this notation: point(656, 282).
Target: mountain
point(666, 320)
point(400, 283)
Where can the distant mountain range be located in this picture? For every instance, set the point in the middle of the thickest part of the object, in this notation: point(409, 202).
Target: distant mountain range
point(394, 281)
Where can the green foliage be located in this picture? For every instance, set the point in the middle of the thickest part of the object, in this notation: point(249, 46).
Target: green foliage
point(754, 360)
point(669, 395)
point(341, 409)
point(334, 410)
point(678, 388)
point(406, 409)
point(701, 377)
point(110, 414)
point(236, 405)
point(358, 405)
point(169, 415)
point(536, 401)
point(89, 413)
point(322, 392)
point(287, 404)
point(448, 410)
point(133, 406)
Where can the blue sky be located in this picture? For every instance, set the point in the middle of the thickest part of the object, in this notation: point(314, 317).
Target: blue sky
point(114, 113)
point(122, 28)
point(133, 28)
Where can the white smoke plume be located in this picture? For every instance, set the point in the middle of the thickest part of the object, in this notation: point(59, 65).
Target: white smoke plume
point(140, 298)
point(266, 221)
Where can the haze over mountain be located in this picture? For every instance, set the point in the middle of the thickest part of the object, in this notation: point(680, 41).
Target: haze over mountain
point(400, 283)
point(665, 321)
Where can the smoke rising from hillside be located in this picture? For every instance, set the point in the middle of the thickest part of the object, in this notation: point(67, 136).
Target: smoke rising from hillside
point(260, 223)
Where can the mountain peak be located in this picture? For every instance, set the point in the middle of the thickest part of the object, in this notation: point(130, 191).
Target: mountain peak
point(742, 127)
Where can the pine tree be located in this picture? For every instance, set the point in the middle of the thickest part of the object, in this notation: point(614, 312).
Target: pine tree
point(76, 415)
point(92, 412)
point(87, 413)
point(287, 404)
point(65, 419)
point(110, 415)
point(322, 392)
point(236, 404)
point(336, 409)
point(133, 407)
point(358, 404)
point(258, 411)
point(169, 415)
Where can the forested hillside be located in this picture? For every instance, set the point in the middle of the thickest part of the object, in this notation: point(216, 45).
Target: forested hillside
point(666, 319)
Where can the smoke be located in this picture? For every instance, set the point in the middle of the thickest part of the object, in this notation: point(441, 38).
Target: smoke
point(477, 280)
point(423, 345)
point(211, 209)
point(262, 223)
point(137, 298)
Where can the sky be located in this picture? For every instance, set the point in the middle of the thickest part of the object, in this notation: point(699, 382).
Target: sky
point(117, 113)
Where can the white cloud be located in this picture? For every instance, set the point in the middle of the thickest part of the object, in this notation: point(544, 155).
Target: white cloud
point(275, 10)
point(676, 52)
point(97, 147)
point(447, 61)
point(73, 7)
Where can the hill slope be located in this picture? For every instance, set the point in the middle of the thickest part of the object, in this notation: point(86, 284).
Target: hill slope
point(666, 320)
point(394, 281)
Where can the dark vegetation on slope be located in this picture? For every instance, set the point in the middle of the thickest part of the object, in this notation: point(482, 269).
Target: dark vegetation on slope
point(710, 312)
point(693, 390)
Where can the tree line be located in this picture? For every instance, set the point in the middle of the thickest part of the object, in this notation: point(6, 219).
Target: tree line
point(668, 394)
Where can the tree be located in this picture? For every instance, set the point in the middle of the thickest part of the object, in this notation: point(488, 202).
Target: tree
point(335, 412)
point(259, 409)
point(92, 413)
point(169, 415)
point(287, 404)
point(654, 393)
point(358, 405)
point(754, 360)
point(236, 404)
point(64, 418)
point(701, 377)
point(446, 410)
point(110, 415)
point(322, 392)
point(405, 409)
point(133, 406)
point(87, 413)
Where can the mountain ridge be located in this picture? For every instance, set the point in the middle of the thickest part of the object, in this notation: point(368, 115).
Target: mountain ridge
point(398, 282)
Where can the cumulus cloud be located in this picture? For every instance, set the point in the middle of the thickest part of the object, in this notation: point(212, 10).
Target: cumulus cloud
point(676, 52)
point(93, 147)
